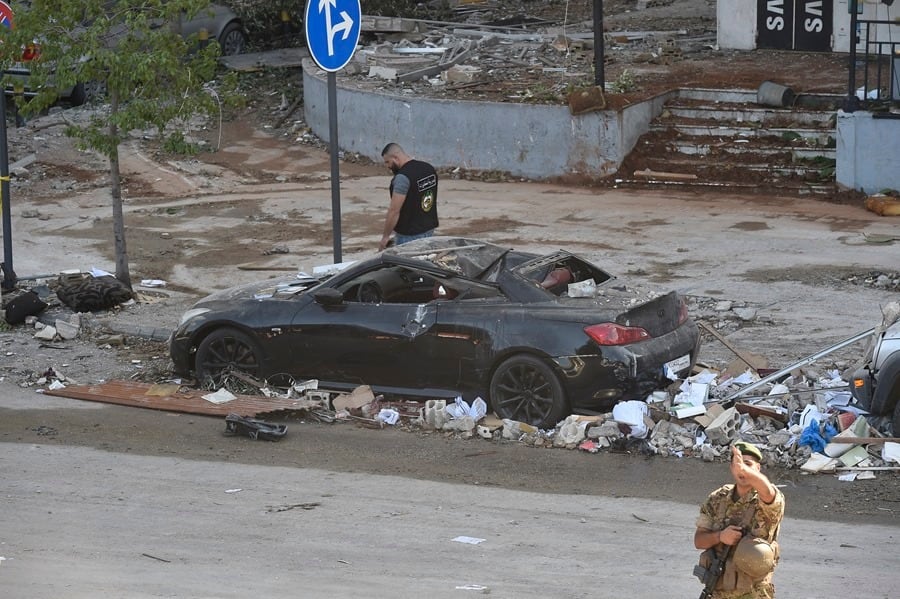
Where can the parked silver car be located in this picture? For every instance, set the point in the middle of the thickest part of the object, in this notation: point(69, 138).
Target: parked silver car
point(220, 22)
point(876, 385)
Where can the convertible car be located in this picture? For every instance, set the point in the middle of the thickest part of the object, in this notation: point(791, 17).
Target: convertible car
point(537, 337)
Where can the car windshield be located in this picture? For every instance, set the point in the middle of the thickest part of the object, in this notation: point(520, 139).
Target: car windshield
point(466, 257)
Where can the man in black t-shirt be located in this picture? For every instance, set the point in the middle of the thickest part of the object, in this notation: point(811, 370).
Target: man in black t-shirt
point(412, 213)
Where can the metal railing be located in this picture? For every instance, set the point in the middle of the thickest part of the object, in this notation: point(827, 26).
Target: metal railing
point(874, 73)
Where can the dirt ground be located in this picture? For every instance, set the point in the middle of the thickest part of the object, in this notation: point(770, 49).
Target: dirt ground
point(259, 204)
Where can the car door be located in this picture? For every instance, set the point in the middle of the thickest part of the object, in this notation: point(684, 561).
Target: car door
point(368, 338)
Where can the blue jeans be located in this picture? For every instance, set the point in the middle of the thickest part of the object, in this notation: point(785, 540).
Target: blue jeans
point(401, 239)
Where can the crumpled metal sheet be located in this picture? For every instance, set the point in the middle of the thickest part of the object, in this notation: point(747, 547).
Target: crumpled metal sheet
point(188, 401)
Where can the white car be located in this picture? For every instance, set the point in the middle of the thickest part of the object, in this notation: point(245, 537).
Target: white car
point(876, 385)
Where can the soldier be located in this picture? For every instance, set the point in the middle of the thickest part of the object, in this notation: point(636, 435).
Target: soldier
point(743, 519)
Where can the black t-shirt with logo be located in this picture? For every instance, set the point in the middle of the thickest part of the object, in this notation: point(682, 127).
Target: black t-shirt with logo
point(419, 211)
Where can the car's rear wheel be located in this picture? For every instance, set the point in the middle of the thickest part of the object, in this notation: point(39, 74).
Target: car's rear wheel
point(232, 40)
point(226, 350)
point(526, 389)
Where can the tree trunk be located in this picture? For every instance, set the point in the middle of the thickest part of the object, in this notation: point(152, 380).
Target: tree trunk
point(122, 272)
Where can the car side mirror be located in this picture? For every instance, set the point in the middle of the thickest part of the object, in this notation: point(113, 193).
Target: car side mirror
point(329, 297)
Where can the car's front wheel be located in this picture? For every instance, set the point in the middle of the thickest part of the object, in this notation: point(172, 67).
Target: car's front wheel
point(232, 40)
point(526, 389)
point(226, 350)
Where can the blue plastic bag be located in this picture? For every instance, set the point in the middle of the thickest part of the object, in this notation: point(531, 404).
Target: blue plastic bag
point(813, 438)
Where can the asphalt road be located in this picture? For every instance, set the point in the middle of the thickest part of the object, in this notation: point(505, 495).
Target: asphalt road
point(134, 512)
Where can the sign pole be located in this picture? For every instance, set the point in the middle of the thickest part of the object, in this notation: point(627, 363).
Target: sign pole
point(9, 277)
point(332, 32)
point(334, 149)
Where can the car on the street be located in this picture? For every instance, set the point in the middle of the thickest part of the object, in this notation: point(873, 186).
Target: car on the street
point(220, 23)
point(536, 336)
point(876, 384)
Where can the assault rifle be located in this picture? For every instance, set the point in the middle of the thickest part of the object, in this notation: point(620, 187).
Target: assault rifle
point(710, 576)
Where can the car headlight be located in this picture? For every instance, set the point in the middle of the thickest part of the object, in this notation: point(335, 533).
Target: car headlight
point(190, 314)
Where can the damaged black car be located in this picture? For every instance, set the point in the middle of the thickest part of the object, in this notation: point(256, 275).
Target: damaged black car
point(537, 337)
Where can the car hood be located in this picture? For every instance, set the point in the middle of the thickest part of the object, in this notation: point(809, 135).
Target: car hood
point(286, 287)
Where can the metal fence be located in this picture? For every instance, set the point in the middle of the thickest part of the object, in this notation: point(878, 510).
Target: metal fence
point(874, 74)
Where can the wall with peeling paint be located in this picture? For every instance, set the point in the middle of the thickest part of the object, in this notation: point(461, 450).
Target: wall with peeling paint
point(525, 140)
point(868, 152)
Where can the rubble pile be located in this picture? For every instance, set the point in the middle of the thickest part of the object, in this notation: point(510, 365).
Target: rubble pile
point(806, 421)
point(519, 58)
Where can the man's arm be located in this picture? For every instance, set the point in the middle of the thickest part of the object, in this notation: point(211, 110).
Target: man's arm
point(756, 479)
point(390, 220)
point(705, 538)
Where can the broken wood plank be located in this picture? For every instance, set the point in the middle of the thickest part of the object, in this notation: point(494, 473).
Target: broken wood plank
point(864, 440)
point(387, 24)
point(648, 174)
point(865, 468)
point(455, 58)
point(256, 61)
point(753, 361)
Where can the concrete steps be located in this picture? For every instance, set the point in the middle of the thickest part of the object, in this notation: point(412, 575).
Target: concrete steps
point(726, 138)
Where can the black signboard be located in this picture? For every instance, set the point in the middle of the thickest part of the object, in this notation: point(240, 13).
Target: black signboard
point(813, 27)
point(775, 24)
point(795, 24)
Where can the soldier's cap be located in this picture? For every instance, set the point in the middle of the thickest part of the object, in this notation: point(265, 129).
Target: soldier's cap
point(749, 449)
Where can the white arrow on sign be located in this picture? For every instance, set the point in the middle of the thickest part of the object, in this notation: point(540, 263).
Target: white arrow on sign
point(345, 25)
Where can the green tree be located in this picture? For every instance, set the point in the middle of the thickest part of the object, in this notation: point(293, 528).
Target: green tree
point(132, 50)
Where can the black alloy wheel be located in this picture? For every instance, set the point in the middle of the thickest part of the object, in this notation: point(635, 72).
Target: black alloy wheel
point(226, 350)
point(526, 389)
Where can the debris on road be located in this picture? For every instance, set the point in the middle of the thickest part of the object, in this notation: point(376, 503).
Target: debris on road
point(255, 429)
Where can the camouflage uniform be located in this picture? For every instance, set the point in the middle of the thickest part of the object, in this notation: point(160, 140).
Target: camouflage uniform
point(720, 511)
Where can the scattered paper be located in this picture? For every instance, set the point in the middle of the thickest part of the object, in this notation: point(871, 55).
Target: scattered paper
point(219, 397)
point(460, 408)
point(388, 416)
point(152, 283)
point(693, 393)
point(56, 385)
point(233, 490)
point(810, 413)
point(632, 413)
point(891, 452)
point(310, 385)
point(97, 272)
point(469, 540)
point(472, 587)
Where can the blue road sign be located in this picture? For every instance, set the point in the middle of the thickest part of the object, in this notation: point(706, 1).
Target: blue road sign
point(332, 31)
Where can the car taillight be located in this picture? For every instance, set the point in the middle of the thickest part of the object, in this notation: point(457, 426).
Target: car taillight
point(682, 311)
point(31, 52)
point(610, 333)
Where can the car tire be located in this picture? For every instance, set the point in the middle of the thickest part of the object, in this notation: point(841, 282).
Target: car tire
point(79, 95)
point(83, 93)
point(227, 349)
point(895, 422)
point(232, 40)
point(525, 389)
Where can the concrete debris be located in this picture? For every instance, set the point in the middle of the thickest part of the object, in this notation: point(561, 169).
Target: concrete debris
point(804, 420)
